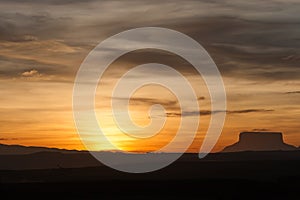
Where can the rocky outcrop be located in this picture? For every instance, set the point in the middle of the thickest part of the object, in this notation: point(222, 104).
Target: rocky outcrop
point(260, 141)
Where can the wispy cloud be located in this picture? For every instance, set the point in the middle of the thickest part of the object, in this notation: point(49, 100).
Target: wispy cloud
point(149, 101)
point(208, 112)
point(248, 111)
point(5, 139)
point(267, 32)
point(260, 129)
point(201, 98)
point(31, 73)
point(293, 92)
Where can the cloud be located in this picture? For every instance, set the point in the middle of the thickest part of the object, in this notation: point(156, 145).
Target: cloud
point(31, 73)
point(150, 101)
point(139, 100)
point(293, 92)
point(248, 111)
point(52, 57)
point(34, 74)
point(187, 114)
point(245, 49)
point(208, 112)
point(49, 2)
point(24, 38)
point(4, 139)
point(248, 40)
point(260, 129)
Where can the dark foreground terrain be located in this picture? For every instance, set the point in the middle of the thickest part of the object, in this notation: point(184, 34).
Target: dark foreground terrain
point(246, 175)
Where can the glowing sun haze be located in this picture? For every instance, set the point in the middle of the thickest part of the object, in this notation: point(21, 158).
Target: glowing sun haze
point(256, 46)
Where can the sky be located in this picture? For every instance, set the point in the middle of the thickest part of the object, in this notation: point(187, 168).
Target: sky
point(256, 46)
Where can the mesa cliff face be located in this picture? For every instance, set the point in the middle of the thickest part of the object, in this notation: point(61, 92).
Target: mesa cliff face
point(260, 141)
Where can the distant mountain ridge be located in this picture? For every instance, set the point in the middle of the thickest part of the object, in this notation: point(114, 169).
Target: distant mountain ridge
point(260, 141)
point(22, 150)
point(248, 141)
point(57, 160)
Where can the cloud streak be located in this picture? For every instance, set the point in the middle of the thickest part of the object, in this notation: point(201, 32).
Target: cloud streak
point(150, 101)
point(5, 139)
point(208, 112)
point(293, 92)
point(31, 73)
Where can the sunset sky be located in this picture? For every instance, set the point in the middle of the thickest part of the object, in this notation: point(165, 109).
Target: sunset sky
point(256, 46)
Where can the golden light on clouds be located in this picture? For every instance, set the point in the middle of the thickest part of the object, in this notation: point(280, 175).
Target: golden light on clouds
point(40, 53)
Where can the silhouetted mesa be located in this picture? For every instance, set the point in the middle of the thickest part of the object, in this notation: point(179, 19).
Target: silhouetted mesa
point(259, 141)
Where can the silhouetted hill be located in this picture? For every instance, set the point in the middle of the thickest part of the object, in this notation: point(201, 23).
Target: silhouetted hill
point(21, 150)
point(260, 141)
point(18, 157)
point(56, 160)
point(262, 179)
point(48, 160)
point(78, 175)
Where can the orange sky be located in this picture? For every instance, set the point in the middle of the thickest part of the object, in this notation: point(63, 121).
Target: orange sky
point(40, 52)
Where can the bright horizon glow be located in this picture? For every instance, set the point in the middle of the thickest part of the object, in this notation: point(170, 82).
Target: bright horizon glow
point(256, 51)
